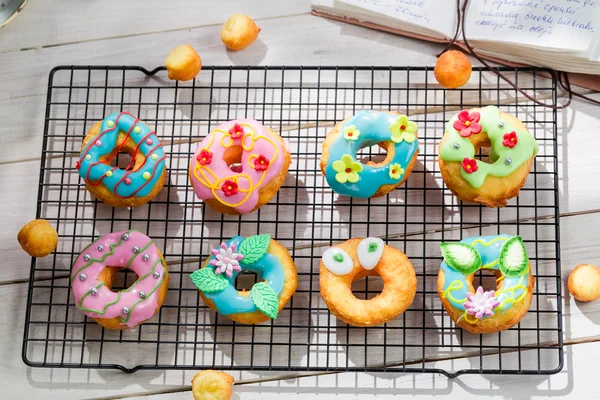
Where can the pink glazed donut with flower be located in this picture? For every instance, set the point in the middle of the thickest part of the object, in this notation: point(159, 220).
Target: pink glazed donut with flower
point(239, 166)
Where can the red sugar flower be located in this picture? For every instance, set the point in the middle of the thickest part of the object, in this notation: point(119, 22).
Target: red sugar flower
point(467, 124)
point(229, 188)
point(236, 131)
point(204, 157)
point(470, 165)
point(510, 139)
point(77, 164)
point(261, 163)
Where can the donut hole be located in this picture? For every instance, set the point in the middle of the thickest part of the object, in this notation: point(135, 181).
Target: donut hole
point(374, 153)
point(122, 160)
point(117, 279)
point(245, 280)
point(233, 157)
point(367, 287)
point(485, 278)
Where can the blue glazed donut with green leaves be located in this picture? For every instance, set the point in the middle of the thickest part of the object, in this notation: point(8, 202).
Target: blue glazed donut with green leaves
point(268, 259)
point(478, 310)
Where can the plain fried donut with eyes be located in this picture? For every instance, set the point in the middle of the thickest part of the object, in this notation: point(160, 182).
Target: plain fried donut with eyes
point(355, 259)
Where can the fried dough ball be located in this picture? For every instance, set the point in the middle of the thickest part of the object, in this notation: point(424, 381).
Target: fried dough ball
point(584, 282)
point(183, 63)
point(212, 385)
point(38, 238)
point(452, 69)
point(239, 31)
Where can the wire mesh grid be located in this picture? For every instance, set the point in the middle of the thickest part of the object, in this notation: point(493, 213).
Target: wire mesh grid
point(302, 104)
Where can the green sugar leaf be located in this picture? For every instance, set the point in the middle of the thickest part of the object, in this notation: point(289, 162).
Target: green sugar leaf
point(207, 281)
point(254, 248)
point(461, 256)
point(513, 257)
point(265, 299)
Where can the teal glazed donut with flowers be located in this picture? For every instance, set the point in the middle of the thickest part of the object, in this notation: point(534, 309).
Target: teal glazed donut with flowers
point(348, 176)
point(277, 279)
point(480, 311)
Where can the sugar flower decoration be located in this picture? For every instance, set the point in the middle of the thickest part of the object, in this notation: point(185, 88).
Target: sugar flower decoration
point(481, 303)
point(467, 124)
point(403, 130)
point(510, 139)
point(470, 165)
point(226, 260)
point(347, 169)
point(351, 133)
point(396, 171)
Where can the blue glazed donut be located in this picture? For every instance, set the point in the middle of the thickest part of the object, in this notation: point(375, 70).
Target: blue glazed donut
point(141, 180)
point(349, 177)
point(270, 261)
point(480, 311)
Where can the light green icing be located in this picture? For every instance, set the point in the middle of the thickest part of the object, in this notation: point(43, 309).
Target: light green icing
point(490, 121)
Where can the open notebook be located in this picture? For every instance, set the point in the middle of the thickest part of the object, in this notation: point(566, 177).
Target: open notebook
point(559, 34)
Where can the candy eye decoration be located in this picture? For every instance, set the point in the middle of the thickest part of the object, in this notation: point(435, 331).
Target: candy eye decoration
point(369, 252)
point(337, 261)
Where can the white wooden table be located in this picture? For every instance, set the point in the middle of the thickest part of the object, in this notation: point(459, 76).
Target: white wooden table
point(52, 32)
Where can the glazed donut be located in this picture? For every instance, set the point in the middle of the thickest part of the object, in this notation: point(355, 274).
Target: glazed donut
point(356, 258)
point(94, 271)
point(349, 177)
point(479, 311)
point(513, 149)
point(239, 166)
point(259, 254)
point(145, 175)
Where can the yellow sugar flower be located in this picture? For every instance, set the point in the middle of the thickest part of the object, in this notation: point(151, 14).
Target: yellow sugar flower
point(347, 169)
point(351, 133)
point(403, 129)
point(396, 171)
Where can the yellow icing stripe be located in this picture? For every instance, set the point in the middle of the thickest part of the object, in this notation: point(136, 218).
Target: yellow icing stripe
point(456, 285)
point(481, 242)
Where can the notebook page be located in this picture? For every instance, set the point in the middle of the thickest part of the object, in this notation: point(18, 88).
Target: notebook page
point(437, 15)
point(550, 24)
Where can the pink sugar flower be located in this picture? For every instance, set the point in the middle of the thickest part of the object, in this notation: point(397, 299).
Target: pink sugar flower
point(226, 260)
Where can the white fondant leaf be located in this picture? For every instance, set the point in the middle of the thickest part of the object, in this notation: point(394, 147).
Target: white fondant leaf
point(461, 256)
point(265, 299)
point(370, 251)
point(337, 261)
point(513, 257)
point(207, 281)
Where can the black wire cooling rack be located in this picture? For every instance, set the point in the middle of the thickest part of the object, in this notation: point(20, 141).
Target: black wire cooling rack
point(302, 104)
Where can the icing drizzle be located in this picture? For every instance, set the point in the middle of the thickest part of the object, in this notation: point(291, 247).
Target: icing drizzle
point(140, 300)
point(455, 288)
point(124, 183)
point(261, 161)
point(219, 288)
point(349, 177)
point(511, 145)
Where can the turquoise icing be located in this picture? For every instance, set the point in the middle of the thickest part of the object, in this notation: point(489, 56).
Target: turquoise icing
point(268, 269)
point(489, 248)
point(92, 170)
point(374, 128)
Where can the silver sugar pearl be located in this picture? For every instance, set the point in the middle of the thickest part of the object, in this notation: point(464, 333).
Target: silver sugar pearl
point(87, 257)
point(500, 124)
point(456, 146)
point(156, 275)
point(507, 161)
point(142, 295)
point(125, 310)
point(94, 291)
point(136, 249)
point(82, 277)
point(125, 237)
point(146, 257)
point(100, 247)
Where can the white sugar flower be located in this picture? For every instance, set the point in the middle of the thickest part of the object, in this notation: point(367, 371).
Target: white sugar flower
point(481, 303)
point(226, 260)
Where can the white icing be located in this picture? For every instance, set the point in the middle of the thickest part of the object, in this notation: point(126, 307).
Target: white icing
point(367, 259)
point(342, 266)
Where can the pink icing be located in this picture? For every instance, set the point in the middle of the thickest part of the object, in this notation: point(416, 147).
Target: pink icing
point(208, 179)
point(139, 309)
